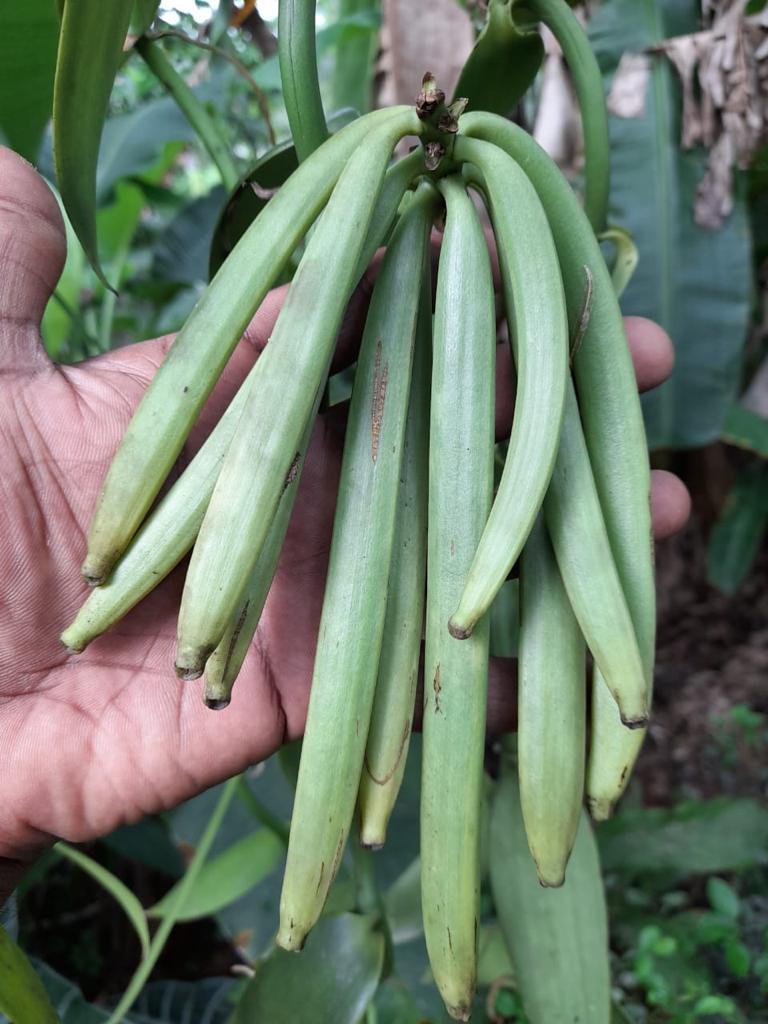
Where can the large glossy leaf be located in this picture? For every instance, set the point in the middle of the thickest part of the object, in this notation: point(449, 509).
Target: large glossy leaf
point(746, 429)
point(22, 995)
point(28, 35)
point(81, 94)
point(694, 281)
point(503, 63)
point(207, 1001)
point(694, 838)
point(737, 535)
point(227, 876)
point(558, 938)
point(333, 979)
point(182, 251)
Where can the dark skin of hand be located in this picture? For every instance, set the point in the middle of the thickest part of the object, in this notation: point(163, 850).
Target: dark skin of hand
point(91, 742)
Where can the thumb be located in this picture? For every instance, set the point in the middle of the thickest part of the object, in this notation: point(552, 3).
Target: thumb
point(32, 251)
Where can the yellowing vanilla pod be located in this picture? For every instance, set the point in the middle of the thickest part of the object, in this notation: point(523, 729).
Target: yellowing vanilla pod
point(290, 372)
point(551, 710)
point(354, 604)
point(461, 444)
point(194, 362)
point(535, 304)
point(390, 729)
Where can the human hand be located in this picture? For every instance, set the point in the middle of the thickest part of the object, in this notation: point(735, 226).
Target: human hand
point(93, 741)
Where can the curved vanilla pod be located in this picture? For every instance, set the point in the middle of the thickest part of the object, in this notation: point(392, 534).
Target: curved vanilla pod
point(223, 666)
point(390, 729)
point(533, 292)
point(290, 371)
point(170, 530)
point(588, 82)
point(613, 428)
point(551, 710)
point(461, 445)
point(354, 604)
point(583, 550)
point(184, 380)
point(163, 539)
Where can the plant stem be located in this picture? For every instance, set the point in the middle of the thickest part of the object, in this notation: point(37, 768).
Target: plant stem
point(169, 919)
point(261, 813)
point(207, 130)
point(588, 82)
point(298, 72)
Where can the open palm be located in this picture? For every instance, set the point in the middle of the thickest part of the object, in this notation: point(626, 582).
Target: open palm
point(92, 741)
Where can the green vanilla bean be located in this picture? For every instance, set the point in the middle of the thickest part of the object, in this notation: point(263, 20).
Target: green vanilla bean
point(615, 434)
point(389, 734)
point(535, 304)
point(171, 528)
point(551, 710)
point(207, 130)
point(291, 369)
point(580, 539)
point(354, 604)
point(461, 445)
point(160, 425)
point(297, 55)
point(223, 666)
point(588, 82)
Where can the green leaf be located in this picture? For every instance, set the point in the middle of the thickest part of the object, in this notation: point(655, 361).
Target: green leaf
point(356, 46)
point(142, 16)
point(723, 898)
point(692, 838)
point(22, 995)
point(337, 974)
point(395, 1005)
point(558, 938)
point(28, 35)
point(738, 958)
point(227, 876)
point(206, 1001)
point(183, 249)
point(746, 429)
point(117, 889)
point(736, 537)
point(502, 64)
point(693, 281)
point(81, 95)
